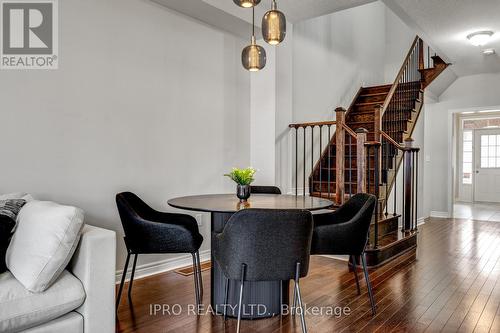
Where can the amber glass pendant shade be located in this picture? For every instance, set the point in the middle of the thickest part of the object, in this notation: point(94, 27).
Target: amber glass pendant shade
point(253, 57)
point(274, 26)
point(247, 3)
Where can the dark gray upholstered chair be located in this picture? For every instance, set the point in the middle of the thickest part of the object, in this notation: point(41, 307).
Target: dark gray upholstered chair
point(148, 231)
point(345, 232)
point(255, 189)
point(264, 245)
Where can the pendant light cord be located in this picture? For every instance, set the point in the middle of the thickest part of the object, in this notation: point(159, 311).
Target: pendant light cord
point(253, 21)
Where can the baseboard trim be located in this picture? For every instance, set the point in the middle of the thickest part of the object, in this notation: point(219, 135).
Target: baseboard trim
point(439, 214)
point(421, 220)
point(160, 266)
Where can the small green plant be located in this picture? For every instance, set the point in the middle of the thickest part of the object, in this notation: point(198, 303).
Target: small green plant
point(242, 176)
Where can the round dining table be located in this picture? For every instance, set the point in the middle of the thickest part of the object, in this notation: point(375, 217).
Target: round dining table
point(263, 297)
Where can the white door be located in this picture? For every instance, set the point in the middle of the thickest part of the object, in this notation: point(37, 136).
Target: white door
point(487, 165)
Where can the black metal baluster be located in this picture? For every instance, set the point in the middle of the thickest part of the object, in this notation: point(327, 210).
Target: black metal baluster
point(368, 178)
point(296, 161)
point(395, 183)
point(311, 189)
point(329, 160)
point(304, 164)
point(386, 177)
point(320, 161)
point(403, 204)
point(412, 218)
point(416, 190)
point(350, 165)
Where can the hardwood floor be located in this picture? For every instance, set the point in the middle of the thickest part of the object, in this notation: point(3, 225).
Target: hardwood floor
point(452, 284)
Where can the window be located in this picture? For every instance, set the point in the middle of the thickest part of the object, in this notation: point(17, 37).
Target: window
point(490, 151)
point(467, 158)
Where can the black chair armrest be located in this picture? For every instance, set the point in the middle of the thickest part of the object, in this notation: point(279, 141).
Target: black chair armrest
point(184, 220)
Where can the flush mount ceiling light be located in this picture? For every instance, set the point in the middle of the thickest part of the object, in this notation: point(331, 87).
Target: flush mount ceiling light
point(274, 25)
point(247, 3)
point(489, 52)
point(253, 56)
point(480, 38)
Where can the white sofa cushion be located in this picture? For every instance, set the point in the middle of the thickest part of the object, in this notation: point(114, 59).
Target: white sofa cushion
point(71, 322)
point(21, 309)
point(44, 242)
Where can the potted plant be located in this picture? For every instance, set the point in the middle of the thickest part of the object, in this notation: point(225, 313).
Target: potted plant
point(243, 178)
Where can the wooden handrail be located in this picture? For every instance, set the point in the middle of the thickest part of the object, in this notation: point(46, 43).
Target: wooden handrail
point(319, 123)
point(349, 131)
point(398, 77)
point(392, 141)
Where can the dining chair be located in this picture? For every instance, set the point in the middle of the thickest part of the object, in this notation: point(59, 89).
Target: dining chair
point(256, 189)
point(148, 231)
point(345, 231)
point(254, 247)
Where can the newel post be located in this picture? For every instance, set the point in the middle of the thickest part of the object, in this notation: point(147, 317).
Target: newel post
point(408, 183)
point(378, 135)
point(361, 158)
point(339, 155)
point(420, 54)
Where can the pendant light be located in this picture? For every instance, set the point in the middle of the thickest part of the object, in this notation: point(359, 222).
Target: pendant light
point(247, 3)
point(274, 25)
point(253, 56)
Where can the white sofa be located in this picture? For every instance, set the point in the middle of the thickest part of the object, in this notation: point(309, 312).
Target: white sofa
point(80, 301)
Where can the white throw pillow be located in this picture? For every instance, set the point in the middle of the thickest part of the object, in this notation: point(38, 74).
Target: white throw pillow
point(44, 242)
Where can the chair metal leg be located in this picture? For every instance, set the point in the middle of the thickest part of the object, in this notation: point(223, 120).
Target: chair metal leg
point(240, 305)
point(299, 298)
point(226, 295)
point(132, 278)
point(122, 281)
point(294, 300)
point(281, 297)
point(196, 280)
point(355, 269)
point(200, 278)
point(368, 284)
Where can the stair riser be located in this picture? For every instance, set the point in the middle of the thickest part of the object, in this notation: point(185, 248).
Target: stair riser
point(385, 227)
point(372, 99)
point(376, 90)
point(375, 258)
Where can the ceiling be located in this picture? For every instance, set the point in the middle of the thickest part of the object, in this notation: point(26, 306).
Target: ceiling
point(445, 24)
point(214, 12)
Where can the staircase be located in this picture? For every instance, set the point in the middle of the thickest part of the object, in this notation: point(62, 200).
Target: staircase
point(370, 142)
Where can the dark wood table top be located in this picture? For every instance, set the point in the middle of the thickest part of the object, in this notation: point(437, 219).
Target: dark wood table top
point(229, 203)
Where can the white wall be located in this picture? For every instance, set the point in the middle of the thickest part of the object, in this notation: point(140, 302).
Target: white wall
point(145, 99)
point(398, 39)
point(262, 119)
point(475, 91)
point(333, 56)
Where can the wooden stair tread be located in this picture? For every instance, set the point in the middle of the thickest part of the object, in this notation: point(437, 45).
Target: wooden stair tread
point(373, 94)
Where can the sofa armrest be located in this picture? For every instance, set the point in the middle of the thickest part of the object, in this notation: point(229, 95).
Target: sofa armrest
point(94, 265)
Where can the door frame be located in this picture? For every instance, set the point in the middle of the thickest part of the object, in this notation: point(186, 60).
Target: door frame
point(452, 130)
